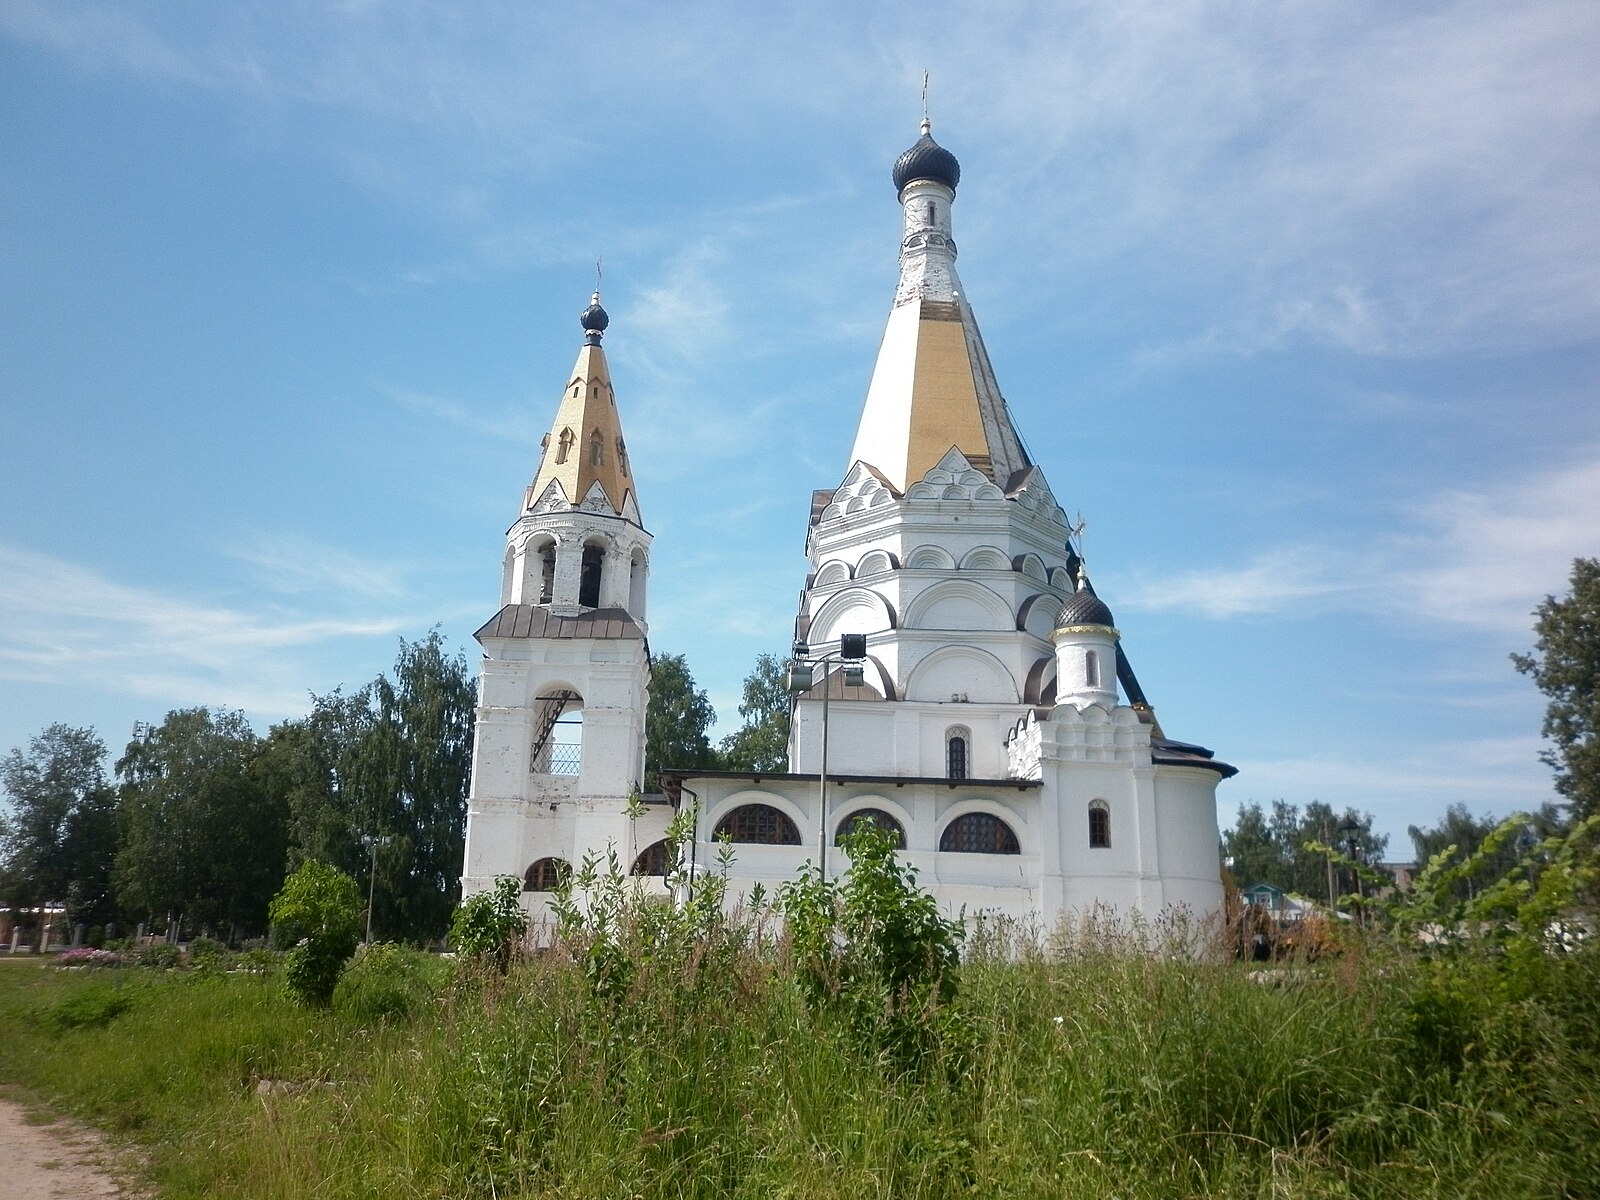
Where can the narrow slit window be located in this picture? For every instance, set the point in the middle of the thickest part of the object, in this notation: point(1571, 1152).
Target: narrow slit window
point(1091, 669)
point(547, 574)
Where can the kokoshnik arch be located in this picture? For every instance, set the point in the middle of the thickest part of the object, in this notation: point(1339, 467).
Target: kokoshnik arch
point(984, 729)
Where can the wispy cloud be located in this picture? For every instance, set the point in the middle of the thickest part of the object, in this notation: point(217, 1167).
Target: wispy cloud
point(1474, 559)
point(64, 623)
point(519, 428)
point(1386, 178)
point(291, 565)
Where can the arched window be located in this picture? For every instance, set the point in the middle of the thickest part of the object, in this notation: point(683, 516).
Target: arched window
point(564, 445)
point(547, 573)
point(597, 449)
point(1099, 825)
point(872, 816)
point(1091, 669)
point(545, 875)
point(979, 833)
point(760, 824)
point(956, 759)
point(622, 455)
point(589, 576)
point(654, 859)
point(557, 734)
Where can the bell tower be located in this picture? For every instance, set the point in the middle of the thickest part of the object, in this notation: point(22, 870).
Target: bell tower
point(558, 748)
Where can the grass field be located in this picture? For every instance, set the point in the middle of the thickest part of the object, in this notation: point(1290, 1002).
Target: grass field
point(1091, 1070)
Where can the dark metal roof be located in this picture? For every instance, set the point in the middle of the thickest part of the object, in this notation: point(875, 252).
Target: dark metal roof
point(672, 779)
point(536, 621)
point(926, 160)
point(1083, 607)
point(1168, 753)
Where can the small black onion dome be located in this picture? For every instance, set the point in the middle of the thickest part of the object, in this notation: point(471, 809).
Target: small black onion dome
point(926, 160)
point(594, 319)
point(1083, 607)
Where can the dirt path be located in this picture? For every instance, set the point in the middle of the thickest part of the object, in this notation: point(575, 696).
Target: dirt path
point(58, 1160)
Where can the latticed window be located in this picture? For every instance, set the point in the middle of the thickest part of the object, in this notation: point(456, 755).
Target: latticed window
point(654, 859)
point(872, 816)
point(545, 875)
point(979, 833)
point(760, 824)
point(955, 756)
point(1099, 825)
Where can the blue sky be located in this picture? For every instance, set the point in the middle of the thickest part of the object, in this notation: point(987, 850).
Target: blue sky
point(1296, 304)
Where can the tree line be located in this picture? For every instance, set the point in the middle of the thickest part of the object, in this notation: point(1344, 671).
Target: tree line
point(204, 819)
point(200, 819)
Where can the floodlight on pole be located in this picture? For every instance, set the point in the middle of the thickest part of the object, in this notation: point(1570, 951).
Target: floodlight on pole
point(802, 677)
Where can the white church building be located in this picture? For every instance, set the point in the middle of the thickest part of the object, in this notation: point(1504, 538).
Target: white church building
point(963, 675)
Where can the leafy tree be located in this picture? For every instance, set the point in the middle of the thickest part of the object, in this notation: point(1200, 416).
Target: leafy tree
point(420, 747)
point(1272, 848)
point(1565, 666)
point(676, 721)
point(202, 838)
point(1467, 834)
point(321, 906)
point(762, 742)
point(376, 783)
point(58, 842)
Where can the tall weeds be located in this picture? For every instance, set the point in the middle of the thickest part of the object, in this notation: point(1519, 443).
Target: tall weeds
point(642, 1057)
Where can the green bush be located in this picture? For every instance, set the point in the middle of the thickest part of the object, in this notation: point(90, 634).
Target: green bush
point(487, 925)
point(388, 981)
point(160, 956)
point(323, 906)
point(206, 952)
point(874, 947)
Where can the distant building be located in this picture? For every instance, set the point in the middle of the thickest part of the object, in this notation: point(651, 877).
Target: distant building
point(985, 729)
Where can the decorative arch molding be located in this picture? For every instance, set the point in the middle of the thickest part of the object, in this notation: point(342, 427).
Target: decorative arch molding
point(959, 604)
point(985, 558)
point(875, 561)
point(1040, 682)
point(1032, 566)
point(1038, 615)
point(930, 558)
point(855, 610)
point(1063, 581)
point(968, 670)
point(835, 570)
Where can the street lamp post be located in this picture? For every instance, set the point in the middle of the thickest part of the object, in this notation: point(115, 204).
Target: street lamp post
point(802, 676)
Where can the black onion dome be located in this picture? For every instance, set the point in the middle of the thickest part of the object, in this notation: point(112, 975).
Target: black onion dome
point(1083, 607)
point(594, 319)
point(926, 160)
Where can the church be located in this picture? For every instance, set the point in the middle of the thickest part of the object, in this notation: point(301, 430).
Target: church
point(956, 679)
